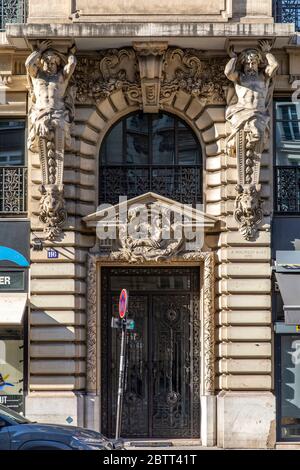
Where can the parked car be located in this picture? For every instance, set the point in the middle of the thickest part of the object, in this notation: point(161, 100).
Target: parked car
point(18, 433)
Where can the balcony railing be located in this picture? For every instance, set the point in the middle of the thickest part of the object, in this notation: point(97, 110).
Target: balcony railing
point(12, 11)
point(181, 183)
point(13, 190)
point(287, 11)
point(287, 186)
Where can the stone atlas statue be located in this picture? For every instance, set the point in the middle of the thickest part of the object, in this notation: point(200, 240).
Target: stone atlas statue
point(248, 104)
point(51, 114)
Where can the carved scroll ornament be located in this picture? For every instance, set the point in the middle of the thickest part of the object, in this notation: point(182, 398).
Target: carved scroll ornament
point(150, 58)
point(150, 75)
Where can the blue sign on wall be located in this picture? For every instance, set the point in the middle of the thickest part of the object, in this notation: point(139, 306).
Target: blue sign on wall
point(52, 253)
point(14, 256)
point(14, 243)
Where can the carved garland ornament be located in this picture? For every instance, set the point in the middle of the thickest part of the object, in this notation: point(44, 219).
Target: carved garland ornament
point(150, 75)
point(91, 361)
point(207, 319)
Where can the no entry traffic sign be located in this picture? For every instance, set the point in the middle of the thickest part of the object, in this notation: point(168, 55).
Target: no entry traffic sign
point(123, 303)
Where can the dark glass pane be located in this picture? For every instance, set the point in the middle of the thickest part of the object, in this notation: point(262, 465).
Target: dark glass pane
point(286, 110)
point(288, 133)
point(181, 125)
point(12, 143)
point(137, 123)
point(188, 153)
point(290, 387)
point(137, 149)
point(163, 143)
point(137, 139)
point(112, 148)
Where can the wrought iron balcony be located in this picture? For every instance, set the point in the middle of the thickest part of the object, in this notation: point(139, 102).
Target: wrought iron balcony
point(181, 183)
point(287, 11)
point(287, 187)
point(12, 11)
point(13, 190)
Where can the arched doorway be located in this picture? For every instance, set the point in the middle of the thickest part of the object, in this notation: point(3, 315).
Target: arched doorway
point(157, 153)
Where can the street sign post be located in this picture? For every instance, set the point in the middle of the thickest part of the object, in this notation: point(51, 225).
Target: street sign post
point(124, 324)
point(121, 380)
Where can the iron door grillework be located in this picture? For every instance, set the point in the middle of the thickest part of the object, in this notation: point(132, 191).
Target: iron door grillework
point(162, 397)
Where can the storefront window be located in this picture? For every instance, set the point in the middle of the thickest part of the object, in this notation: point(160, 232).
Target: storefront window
point(13, 171)
point(287, 145)
point(12, 143)
point(11, 370)
point(290, 387)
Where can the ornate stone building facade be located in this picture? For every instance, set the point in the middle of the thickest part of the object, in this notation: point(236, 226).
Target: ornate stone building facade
point(170, 113)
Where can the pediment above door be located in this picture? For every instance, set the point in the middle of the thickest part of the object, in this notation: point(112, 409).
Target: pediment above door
point(150, 227)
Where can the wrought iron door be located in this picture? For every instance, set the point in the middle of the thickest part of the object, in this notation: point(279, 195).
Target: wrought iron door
point(162, 397)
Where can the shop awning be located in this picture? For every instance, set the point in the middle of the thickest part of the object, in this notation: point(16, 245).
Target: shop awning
point(288, 278)
point(12, 308)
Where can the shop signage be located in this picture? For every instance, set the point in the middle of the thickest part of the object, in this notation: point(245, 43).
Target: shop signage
point(14, 243)
point(288, 262)
point(283, 328)
point(12, 281)
point(14, 402)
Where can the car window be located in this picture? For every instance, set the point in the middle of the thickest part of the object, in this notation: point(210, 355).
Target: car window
point(12, 416)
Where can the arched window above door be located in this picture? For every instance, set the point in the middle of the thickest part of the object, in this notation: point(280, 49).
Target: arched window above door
point(151, 152)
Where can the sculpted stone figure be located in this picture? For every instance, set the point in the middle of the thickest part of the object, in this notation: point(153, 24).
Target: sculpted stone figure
point(248, 211)
point(252, 73)
point(141, 238)
point(248, 112)
point(51, 114)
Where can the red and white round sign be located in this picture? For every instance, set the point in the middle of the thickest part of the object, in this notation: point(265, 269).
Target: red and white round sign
point(123, 303)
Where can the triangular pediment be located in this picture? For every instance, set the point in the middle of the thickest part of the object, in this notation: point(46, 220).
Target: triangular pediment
point(189, 215)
